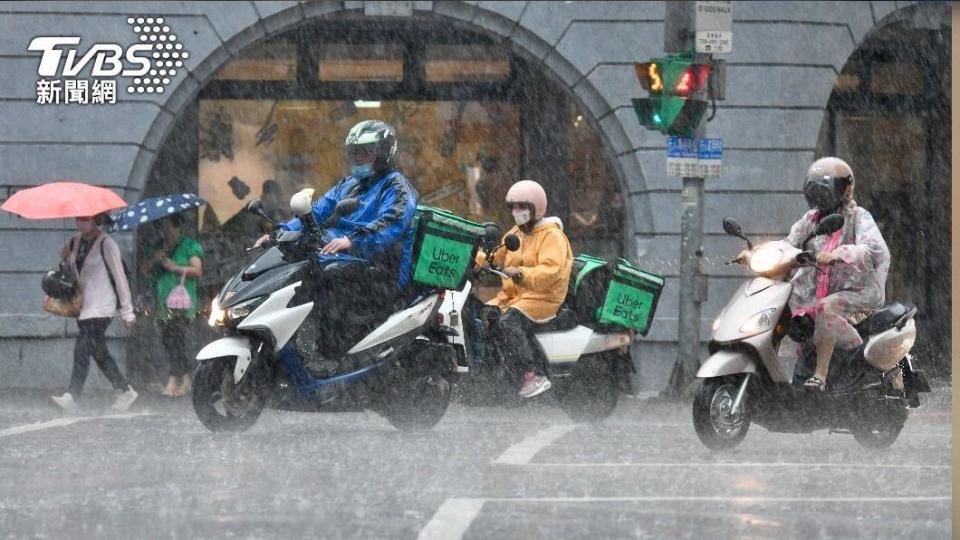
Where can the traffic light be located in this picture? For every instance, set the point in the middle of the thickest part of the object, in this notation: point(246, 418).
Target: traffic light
point(678, 90)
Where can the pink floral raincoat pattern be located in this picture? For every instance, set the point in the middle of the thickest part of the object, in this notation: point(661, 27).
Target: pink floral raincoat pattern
point(850, 289)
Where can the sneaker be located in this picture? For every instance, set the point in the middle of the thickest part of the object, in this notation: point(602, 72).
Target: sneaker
point(125, 399)
point(65, 401)
point(534, 385)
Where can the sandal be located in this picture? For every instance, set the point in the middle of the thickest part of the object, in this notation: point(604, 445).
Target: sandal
point(815, 383)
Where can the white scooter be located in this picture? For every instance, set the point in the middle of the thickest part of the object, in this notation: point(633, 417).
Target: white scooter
point(589, 366)
point(269, 311)
point(869, 388)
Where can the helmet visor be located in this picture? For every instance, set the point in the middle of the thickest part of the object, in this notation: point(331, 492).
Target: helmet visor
point(360, 153)
point(821, 193)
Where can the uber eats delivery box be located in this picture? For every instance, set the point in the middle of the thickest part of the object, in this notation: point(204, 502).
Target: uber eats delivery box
point(619, 293)
point(444, 248)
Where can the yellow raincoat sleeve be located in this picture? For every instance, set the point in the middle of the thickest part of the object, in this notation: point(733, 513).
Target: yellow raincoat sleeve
point(551, 258)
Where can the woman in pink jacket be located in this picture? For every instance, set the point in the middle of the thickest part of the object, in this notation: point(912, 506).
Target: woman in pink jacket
point(95, 257)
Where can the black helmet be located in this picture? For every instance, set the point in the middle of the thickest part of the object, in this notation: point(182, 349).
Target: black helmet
point(58, 283)
point(376, 135)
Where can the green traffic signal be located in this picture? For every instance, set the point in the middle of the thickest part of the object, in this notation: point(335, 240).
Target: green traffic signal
point(670, 115)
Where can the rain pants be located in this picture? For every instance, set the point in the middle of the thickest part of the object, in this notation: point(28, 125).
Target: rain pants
point(545, 259)
point(849, 290)
point(379, 228)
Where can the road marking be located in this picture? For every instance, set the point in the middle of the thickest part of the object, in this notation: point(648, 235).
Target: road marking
point(748, 465)
point(452, 519)
point(455, 516)
point(62, 422)
point(522, 452)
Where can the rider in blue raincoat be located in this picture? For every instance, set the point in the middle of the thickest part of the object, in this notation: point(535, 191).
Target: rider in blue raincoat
point(378, 231)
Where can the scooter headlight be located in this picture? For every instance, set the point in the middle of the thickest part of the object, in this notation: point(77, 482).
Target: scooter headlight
point(759, 322)
point(216, 314)
point(241, 310)
point(765, 259)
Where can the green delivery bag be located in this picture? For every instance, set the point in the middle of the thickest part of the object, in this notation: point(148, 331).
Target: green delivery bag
point(444, 248)
point(632, 297)
point(618, 293)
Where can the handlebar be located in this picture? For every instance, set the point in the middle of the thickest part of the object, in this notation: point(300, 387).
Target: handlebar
point(493, 271)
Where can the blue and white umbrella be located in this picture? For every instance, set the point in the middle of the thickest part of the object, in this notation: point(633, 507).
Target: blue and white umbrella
point(153, 209)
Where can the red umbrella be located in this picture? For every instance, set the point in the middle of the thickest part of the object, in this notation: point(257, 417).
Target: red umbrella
point(62, 200)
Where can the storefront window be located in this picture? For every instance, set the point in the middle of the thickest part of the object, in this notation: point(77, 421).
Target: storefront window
point(275, 61)
point(381, 62)
point(446, 149)
point(596, 204)
point(453, 63)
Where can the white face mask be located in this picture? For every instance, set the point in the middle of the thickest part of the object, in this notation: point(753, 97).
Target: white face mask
point(521, 216)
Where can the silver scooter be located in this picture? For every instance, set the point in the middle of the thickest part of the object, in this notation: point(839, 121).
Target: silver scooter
point(870, 388)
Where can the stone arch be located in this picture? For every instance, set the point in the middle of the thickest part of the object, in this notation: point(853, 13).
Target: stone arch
point(531, 48)
point(883, 117)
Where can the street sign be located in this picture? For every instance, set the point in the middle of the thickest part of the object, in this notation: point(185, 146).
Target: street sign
point(694, 158)
point(709, 157)
point(681, 157)
point(714, 27)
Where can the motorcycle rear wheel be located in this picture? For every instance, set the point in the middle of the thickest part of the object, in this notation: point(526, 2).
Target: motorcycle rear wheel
point(418, 404)
point(591, 392)
point(882, 429)
point(212, 380)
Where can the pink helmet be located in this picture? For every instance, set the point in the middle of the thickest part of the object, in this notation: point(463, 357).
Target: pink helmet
point(530, 192)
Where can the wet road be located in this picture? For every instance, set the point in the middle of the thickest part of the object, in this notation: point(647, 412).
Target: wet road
point(523, 472)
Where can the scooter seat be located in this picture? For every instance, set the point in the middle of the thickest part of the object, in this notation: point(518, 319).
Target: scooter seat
point(566, 319)
point(884, 318)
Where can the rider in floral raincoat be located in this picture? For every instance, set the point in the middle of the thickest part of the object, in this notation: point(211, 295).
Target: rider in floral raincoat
point(855, 259)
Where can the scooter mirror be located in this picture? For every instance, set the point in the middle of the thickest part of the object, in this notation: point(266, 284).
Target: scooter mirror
point(255, 207)
point(346, 206)
point(731, 227)
point(491, 234)
point(511, 242)
point(830, 224)
point(342, 208)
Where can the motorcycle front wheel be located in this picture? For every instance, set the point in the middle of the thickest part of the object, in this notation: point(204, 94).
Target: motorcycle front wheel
point(717, 426)
point(219, 404)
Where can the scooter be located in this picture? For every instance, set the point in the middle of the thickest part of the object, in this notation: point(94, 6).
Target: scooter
point(267, 311)
point(589, 367)
point(870, 388)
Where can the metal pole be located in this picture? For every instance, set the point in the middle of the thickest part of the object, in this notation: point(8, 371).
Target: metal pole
point(678, 36)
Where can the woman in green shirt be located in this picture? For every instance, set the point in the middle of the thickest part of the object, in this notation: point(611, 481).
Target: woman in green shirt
point(178, 255)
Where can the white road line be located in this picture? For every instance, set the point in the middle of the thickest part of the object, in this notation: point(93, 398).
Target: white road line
point(455, 516)
point(522, 452)
point(62, 422)
point(452, 519)
point(746, 465)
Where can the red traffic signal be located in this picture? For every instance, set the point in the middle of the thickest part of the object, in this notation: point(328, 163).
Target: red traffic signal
point(692, 80)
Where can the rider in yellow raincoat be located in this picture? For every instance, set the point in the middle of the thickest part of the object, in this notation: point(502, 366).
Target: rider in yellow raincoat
point(539, 272)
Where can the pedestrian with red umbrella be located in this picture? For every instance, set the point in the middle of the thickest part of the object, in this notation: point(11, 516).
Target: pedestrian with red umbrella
point(94, 257)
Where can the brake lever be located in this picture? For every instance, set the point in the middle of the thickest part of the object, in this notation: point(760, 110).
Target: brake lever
point(494, 271)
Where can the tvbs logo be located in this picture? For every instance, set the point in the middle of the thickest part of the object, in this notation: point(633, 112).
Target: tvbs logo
point(148, 65)
point(107, 58)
